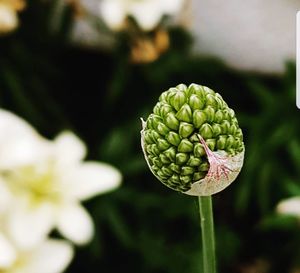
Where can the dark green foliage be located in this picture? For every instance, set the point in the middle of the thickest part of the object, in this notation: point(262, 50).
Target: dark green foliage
point(144, 227)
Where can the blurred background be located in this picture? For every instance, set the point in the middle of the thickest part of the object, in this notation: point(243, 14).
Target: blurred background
point(65, 65)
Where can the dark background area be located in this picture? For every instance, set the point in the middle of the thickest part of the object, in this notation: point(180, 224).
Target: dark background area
point(143, 226)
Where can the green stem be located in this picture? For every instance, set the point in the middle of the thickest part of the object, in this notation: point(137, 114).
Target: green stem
point(207, 230)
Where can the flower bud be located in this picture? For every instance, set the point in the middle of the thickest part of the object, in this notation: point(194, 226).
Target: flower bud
point(171, 121)
point(185, 129)
point(185, 146)
point(185, 113)
point(210, 113)
point(162, 144)
point(178, 100)
point(196, 103)
point(206, 131)
point(162, 129)
point(165, 109)
point(199, 118)
point(181, 158)
point(173, 138)
point(192, 142)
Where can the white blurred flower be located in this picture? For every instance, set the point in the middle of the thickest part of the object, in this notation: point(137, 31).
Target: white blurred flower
point(50, 256)
point(8, 14)
point(147, 13)
point(8, 18)
point(250, 35)
point(46, 181)
point(290, 206)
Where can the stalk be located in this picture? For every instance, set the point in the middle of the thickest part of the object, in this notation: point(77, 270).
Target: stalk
point(207, 231)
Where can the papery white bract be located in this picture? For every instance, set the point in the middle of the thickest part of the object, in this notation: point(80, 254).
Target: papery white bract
point(147, 13)
point(50, 256)
point(223, 170)
point(46, 182)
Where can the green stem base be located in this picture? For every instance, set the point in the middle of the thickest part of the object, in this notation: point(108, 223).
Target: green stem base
point(207, 231)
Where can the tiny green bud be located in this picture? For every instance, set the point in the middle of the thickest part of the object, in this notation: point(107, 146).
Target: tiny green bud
point(164, 159)
point(206, 131)
point(171, 121)
point(162, 175)
point(178, 100)
point(185, 129)
point(233, 128)
point(196, 103)
point(204, 167)
point(194, 138)
point(167, 171)
point(156, 161)
point(171, 92)
point(199, 151)
point(199, 118)
point(239, 134)
point(185, 146)
point(217, 129)
point(187, 170)
point(148, 138)
point(208, 90)
point(171, 153)
point(185, 179)
point(219, 101)
point(194, 161)
point(154, 120)
point(225, 127)
point(175, 168)
point(165, 109)
point(162, 144)
point(154, 135)
point(198, 176)
point(221, 142)
point(210, 113)
point(181, 87)
point(155, 150)
point(173, 138)
point(210, 100)
point(181, 158)
point(185, 113)
point(226, 114)
point(211, 143)
point(156, 109)
point(194, 89)
point(163, 97)
point(219, 116)
point(230, 141)
point(175, 178)
point(162, 129)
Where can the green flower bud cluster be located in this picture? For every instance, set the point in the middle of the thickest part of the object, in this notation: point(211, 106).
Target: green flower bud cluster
point(170, 136)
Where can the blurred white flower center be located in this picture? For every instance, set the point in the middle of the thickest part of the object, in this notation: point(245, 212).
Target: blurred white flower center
point(36, 185)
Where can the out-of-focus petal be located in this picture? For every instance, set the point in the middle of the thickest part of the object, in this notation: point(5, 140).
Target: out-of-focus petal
point(289, 206)
point(172, 7)
point(8, 18)
point(147, 14)
point(28, 226)
point(113, 13)
point(5, 197)
point(52, 256)
point(91, 178)
point(69, 149)
point(75, 223)
point(7, 253)
point(20, 144)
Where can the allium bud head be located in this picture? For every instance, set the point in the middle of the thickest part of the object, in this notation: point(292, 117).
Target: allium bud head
point(192, 142)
